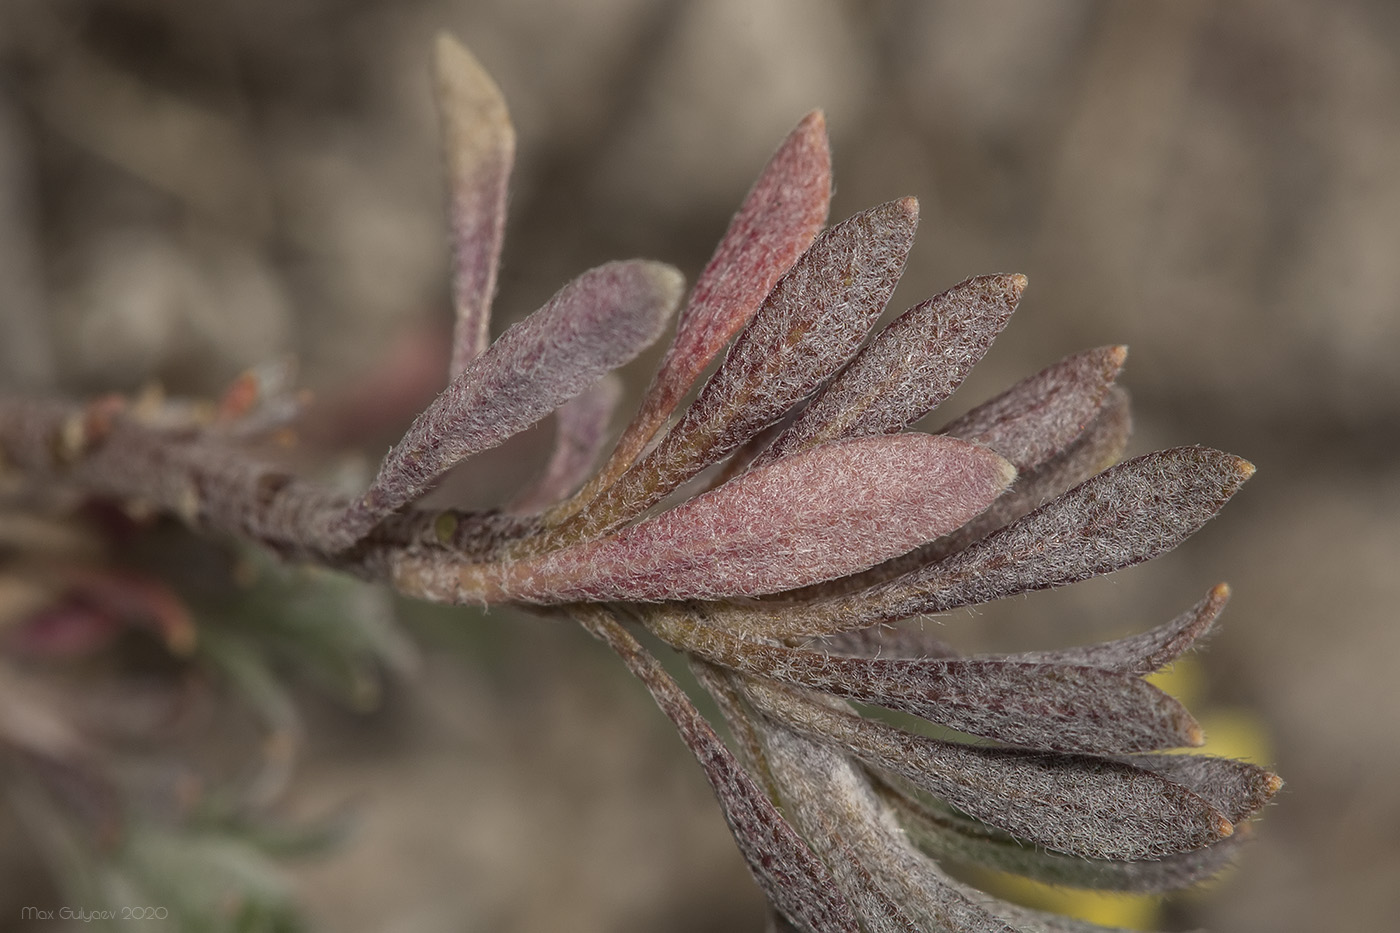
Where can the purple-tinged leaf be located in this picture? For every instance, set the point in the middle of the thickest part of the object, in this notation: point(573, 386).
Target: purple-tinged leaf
point(1081, 805)
point(888, 641)
point(581, 428)
point(1237, 789)
point(787, 870)
point(810, 325)
point(949, 836)
point(893, 887)
point(594, 324)
point(722, 685)
point(1148, 651)
point(910, 367)
point(819, 514)
point(1127, 514)
point(1054, 707)
point(478, 143)
point(1039, 416)
point(777, 222)
point(1097, 448)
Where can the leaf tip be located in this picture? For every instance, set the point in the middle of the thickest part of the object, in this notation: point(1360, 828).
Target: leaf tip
point(1243, 469)
point(907, 209)
point(454, 65)
point(814, 124)
point(445, 44)
point(1005, 469)
point(1272, 784)
point(1018, 284)
point(1224, 828)
point(668, 282)
point(1193, 735)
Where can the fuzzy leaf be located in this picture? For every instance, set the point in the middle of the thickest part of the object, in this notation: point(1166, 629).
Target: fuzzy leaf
point(777, 222)
point(594, 324)
point(816, 515)
point(581, 428)
point(811, 324)
point(910, 367)
point(1035, 705)
point(1237, 789)
point(1080, 805)
point(1146, 652)
point(478, 143)
point(1039, 416)
point(893, 887)
point(1127, 514)
point(1098, 447)
point(946, 835)
point(889, 641)
point(794, 879)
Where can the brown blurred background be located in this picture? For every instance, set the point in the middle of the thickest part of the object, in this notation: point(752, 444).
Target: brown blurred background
point(190, 188)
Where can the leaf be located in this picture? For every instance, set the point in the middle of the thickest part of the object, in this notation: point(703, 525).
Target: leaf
point(910, 367)
point(777, 222)
point(1084, 806)
point(1123, 516)
point(893, 887)
point(581, 429)
point(948, 836)
point(823, 513)
point(478, 144)
point(594, 324)
point(792, 877)
point(1136, 654)
point(1146, 652)
point(1098, 447)
point(1237, 789)
point(811, 324)
point(1036, 705)
point(1036, 418)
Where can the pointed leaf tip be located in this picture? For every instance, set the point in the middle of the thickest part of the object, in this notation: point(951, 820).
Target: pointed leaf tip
point(778, 220)
point(809, 326)
point(1041, 415)
point(909, 368)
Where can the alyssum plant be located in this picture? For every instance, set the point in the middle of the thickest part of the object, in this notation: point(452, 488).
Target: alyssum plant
point(772, 531)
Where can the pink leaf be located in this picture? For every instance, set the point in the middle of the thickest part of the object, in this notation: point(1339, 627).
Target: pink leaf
point(810, 325)
point(776, 223)
point(824, 513)
point(1036, 418)
point(594, 324)
point(910, 367)
point(478, 143)
point(1128, 514)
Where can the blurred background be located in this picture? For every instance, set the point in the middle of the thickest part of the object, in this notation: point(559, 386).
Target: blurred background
point(190, 189)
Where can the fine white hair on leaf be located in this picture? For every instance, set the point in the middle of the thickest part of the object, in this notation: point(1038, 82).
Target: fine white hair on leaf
point(478, 147)
point(826, 512)
point(594, 324)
